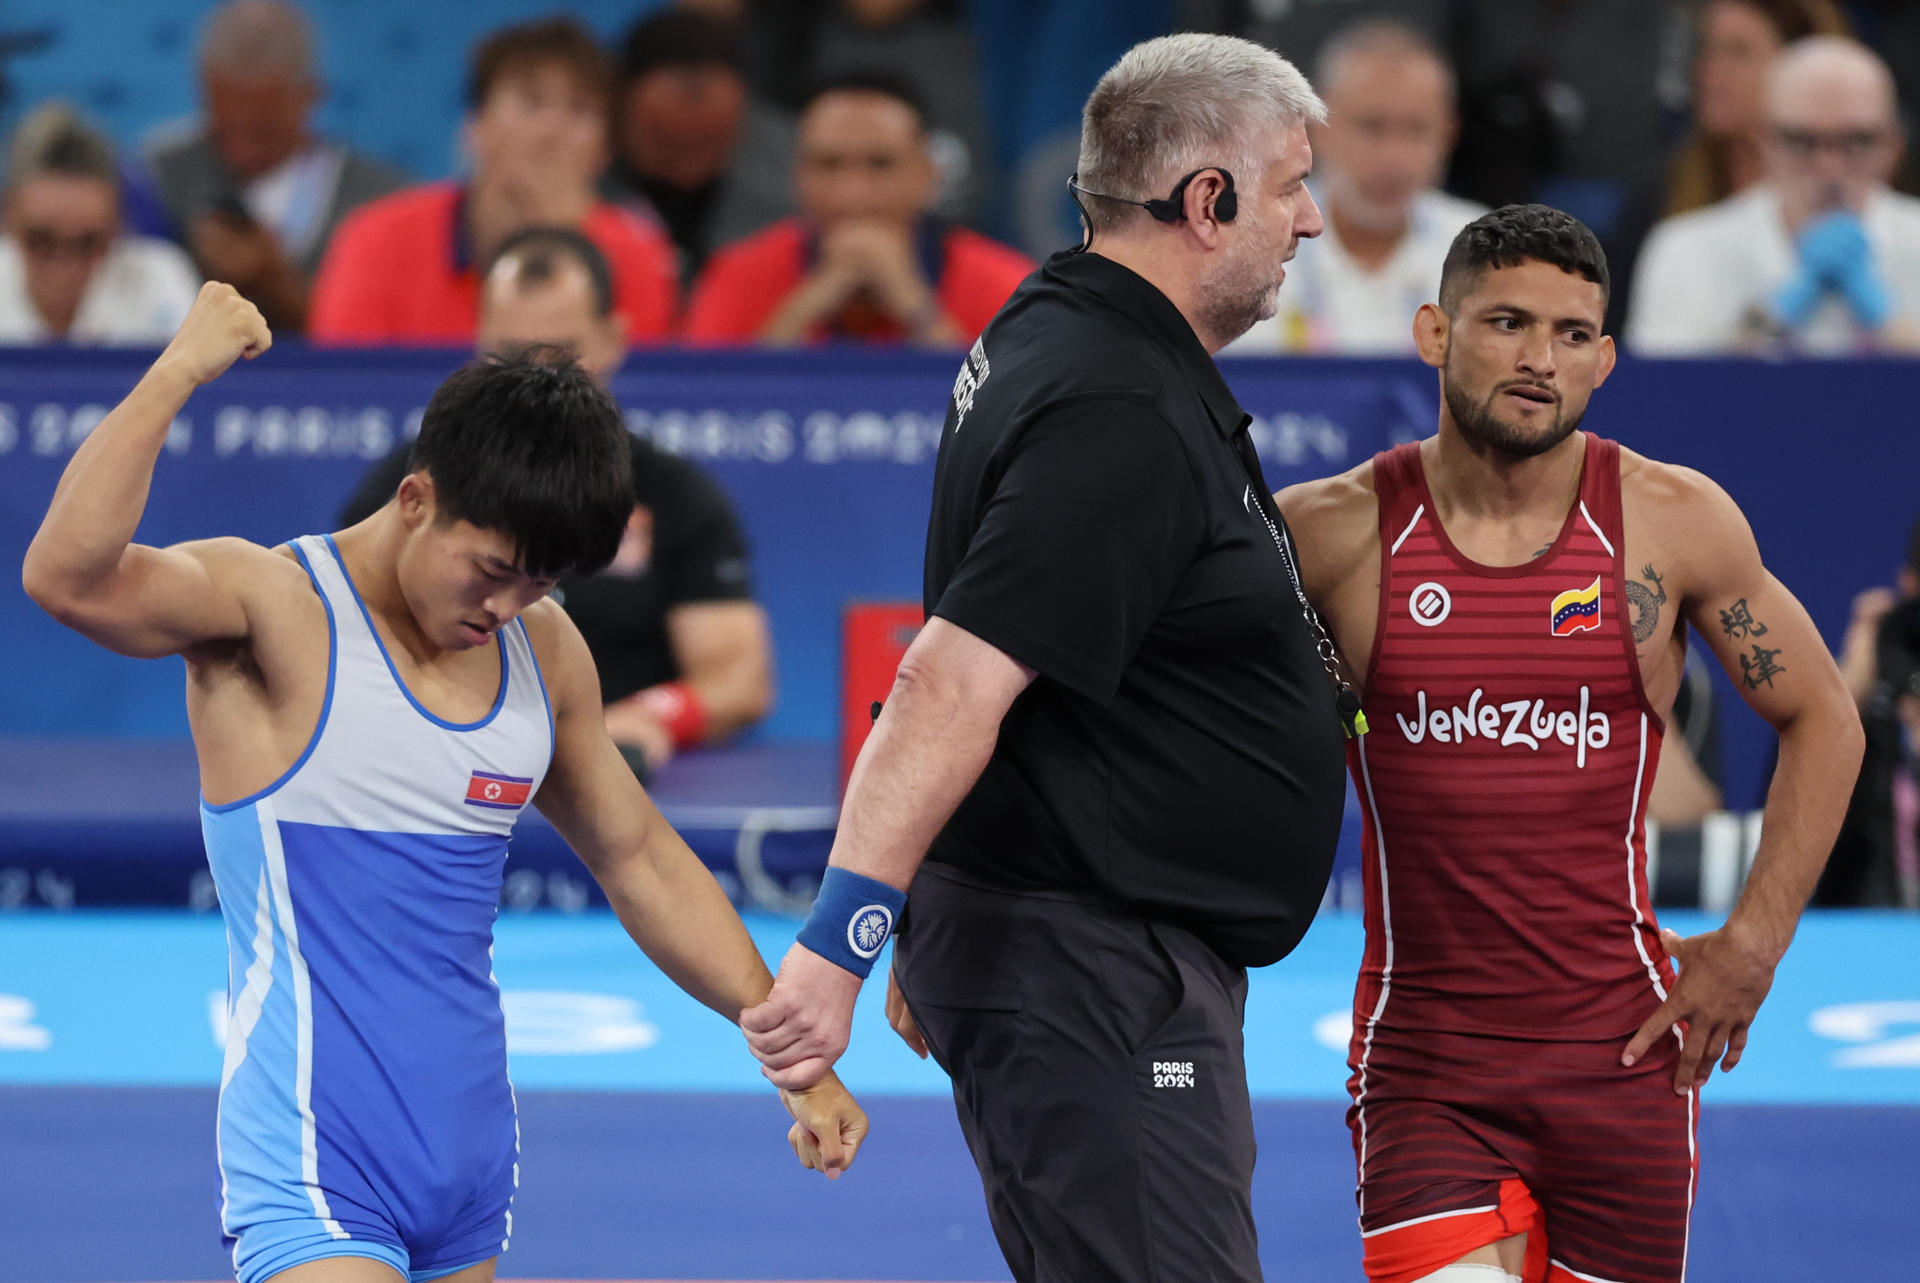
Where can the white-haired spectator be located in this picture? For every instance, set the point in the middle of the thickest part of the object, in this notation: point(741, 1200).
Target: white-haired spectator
point(254, 192)
point(1823, 257)
point(66, 272)
point(1390, 128)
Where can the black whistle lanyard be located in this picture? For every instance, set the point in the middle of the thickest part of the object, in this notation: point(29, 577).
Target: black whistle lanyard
point(1353, 718)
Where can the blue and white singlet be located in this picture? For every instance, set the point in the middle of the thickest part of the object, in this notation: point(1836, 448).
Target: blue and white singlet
point(364, 1102)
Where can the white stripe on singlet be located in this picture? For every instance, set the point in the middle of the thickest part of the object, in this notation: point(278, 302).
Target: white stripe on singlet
point(1386, 971)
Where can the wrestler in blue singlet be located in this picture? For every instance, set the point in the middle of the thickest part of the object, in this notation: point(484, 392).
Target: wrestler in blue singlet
point(364, 1103)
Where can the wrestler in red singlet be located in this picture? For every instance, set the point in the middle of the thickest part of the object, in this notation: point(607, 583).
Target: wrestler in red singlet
point(1504, 790)
point(1520, 592)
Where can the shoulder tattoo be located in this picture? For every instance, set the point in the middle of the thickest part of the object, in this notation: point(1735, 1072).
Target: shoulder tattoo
point(1646, 603)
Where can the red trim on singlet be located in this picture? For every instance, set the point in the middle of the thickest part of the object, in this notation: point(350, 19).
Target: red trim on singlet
point(1410, 1252)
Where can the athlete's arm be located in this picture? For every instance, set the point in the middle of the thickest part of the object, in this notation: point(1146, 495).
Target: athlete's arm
point(1336, 523)
point(927, 750)
point(1328, 525)
point(83, 566)
point(1779, 664)
point(664, 897)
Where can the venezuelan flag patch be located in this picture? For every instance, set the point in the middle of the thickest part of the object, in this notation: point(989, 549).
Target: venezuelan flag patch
point(1576, 610)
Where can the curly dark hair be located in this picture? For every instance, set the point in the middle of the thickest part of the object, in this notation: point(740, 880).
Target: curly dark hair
point(1516, 234)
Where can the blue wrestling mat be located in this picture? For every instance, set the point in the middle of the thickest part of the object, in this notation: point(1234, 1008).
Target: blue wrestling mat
point(652, 1149)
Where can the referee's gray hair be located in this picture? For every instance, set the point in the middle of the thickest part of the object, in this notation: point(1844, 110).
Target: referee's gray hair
point(55, 139)
point(1175, 103)
point(249, 37)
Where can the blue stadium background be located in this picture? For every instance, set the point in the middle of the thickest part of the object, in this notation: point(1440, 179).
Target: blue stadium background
point(652, 1149)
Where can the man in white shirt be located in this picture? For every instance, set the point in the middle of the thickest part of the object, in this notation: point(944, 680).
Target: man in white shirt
point(66, 272)
point(1822, 258)
point(1390, 127)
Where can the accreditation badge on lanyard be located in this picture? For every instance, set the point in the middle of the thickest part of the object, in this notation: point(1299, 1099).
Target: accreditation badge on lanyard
point(1353, 718)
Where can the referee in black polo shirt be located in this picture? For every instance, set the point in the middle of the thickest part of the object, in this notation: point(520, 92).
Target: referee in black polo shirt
point(1115, 743)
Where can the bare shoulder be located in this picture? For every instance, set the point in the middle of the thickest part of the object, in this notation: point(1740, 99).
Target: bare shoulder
point(230, 552)
point(1645, 479)
point(249, 570)
point(1336, 519)
point(283, 612)
point(1342, 499)
point(561, 651)
point(1682, 517)
point(1675, 503)
point(556, 638)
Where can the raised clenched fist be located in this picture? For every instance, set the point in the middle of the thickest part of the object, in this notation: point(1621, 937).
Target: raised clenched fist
point(220, 328)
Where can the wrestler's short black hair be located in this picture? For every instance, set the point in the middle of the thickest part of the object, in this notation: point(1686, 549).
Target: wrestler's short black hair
point(1516, 234)
point(528, 445)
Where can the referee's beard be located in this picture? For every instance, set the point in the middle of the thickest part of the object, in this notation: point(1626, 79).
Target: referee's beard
point(1243, 288)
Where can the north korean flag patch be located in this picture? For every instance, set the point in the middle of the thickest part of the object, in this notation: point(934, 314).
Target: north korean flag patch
point(498, 792)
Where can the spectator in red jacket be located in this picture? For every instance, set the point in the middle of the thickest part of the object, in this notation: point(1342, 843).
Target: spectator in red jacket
point(865, 261)
point(402, 269)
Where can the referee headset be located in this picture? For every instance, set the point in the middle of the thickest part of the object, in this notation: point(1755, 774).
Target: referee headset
point(1172, 209)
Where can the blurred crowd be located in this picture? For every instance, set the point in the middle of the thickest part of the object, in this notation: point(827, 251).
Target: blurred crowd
point(792, 173)
point(798, 172)
point(730, 207)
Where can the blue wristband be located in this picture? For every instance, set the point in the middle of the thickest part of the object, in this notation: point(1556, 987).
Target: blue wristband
point(851, 919)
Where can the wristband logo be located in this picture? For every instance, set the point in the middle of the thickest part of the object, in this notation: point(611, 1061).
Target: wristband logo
point(868, 929)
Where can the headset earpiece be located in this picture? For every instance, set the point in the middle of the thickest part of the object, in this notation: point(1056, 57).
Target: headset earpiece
point(1227, 204)
point(1173, 207)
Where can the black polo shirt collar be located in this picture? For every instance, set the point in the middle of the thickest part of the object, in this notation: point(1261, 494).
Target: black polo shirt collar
point(1139, 300)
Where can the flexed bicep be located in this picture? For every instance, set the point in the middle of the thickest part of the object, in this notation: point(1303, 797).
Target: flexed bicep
point(83, 567)
point(160, 601)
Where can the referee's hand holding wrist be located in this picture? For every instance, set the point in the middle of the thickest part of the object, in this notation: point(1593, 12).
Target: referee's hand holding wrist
point(805, 1022)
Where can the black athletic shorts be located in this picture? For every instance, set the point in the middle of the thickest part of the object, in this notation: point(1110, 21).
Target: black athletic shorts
point(1100, 1080)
